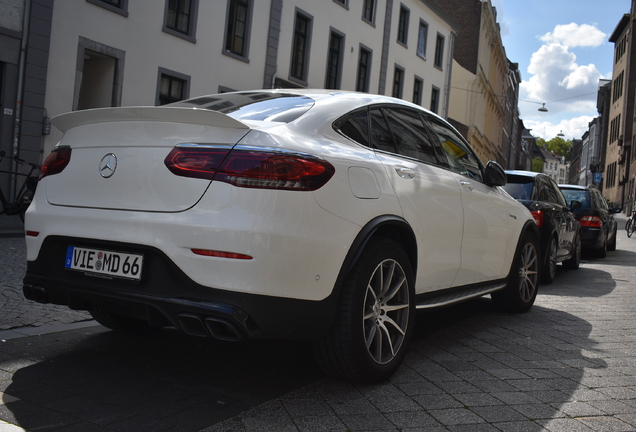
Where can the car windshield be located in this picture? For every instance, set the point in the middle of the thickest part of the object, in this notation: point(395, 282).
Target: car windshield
point(519, 188)
point(255, 106)
point(582, 196)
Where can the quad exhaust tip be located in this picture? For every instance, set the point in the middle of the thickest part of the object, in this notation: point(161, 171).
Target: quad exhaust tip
point(217, 328)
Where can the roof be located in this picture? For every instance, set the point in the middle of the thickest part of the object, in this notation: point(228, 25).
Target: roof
point(522, 173)
point(620, 27)
point(569, 186)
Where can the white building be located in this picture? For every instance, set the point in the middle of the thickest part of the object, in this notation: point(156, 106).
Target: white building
point(590, 153)
point(144, 52)
point(555, 167)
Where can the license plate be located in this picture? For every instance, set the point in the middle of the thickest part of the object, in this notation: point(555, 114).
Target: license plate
point(106, 263)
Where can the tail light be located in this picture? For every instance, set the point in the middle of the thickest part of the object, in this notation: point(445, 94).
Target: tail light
point(538, 217)
point(251, 168)
point(196, 163)
point(55, 162)
point(591, 222)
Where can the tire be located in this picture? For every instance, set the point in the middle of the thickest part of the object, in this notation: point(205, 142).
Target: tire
point(521, 290)
point(574, 262)
point(630, 227)
point(369, 338)
point(602, 251)
point(120, 323)
point(548, 271)
point(611, 246)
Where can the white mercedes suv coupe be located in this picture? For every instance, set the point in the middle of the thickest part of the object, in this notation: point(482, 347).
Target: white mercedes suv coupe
point(315, 215)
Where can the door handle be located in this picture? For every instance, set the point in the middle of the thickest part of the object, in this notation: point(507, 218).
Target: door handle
point(405, 172)
point(467, 185)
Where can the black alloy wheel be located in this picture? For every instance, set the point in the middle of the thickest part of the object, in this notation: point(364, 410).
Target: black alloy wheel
point(548, 271)
point(574, 262)
point(375, 322)
point(523, 280)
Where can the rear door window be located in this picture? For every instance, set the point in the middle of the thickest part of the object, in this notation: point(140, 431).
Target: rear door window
point(459, 156)
point(381, 137)
point(411, 139)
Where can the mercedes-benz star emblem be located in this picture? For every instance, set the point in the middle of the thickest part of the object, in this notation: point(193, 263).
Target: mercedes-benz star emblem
point(108, 165)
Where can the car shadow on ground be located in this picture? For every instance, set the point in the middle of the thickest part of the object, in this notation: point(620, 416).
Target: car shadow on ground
point(499, 365)
point(597, 282)
point(504, 367)
point(79, 380)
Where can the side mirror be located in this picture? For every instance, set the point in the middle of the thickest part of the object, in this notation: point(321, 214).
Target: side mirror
point(495, 174)
point(575, 205)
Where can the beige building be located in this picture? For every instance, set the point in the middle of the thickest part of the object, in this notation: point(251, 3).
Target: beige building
point(150, 52)
point(613, 176)
point(482, 78)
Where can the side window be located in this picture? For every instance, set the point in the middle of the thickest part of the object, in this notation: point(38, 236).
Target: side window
point(411, 139)
point(558, 195)
point(545, 186)
point(356, 127)
point(459, 155)
point(237, 31)
point(544, 191)
point(380, 134)
point(171, 87)
point(117, 6)
point(180, 18)
point(300, 47)
point(600, 200)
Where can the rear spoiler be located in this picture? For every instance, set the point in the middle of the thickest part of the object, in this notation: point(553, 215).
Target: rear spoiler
point(197, 116)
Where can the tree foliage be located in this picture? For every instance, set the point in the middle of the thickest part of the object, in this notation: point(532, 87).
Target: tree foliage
point(537, 164)
point(558, 146)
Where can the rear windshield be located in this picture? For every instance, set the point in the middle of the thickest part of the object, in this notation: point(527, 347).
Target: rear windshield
point(582, 196)
point(519, 188)
point(256, 106)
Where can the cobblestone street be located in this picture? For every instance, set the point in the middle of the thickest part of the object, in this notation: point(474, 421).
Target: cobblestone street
point(569, 364)
point(16, 311)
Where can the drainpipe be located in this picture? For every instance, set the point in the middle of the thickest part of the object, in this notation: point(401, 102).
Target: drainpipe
point(18, 102)
point(449, 72)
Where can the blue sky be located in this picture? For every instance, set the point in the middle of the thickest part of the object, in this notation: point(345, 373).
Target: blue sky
point(562, 49)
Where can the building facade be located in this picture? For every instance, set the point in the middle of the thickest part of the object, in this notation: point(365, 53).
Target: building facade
point(482, 78)
point(621, 114)
point(102, 53)
point(590, 172)
point(24, 45)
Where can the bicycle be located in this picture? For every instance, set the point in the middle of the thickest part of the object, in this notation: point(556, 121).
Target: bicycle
point(630, 226)
point(25, 194)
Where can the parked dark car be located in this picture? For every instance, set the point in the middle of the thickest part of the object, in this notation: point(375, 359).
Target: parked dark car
point(598, 227)
point(559, 237)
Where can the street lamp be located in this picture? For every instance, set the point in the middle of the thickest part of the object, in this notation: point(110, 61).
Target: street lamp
point(543, 108)
point(560, 134)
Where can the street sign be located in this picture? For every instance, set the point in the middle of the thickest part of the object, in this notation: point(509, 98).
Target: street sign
point(598, 177)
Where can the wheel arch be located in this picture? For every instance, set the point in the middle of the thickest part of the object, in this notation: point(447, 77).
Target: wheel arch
point(391, 226)
point(529, 227)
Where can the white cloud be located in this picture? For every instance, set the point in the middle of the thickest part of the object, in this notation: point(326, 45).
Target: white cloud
point(574, 35)
point(572, 128)
point(558, 80)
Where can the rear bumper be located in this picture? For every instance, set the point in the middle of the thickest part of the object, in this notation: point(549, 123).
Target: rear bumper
point(167, 296)
point(592, 238)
